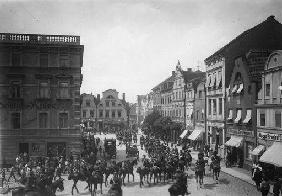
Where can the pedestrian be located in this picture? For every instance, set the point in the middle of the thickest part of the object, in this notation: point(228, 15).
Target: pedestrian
point(264, 186)
point(276, 186)
point(12, 173)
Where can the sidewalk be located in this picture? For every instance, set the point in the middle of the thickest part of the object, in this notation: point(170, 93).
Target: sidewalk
point(236, 172)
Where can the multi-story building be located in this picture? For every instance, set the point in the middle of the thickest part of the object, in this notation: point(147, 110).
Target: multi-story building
point(178, 96)
point(195, 101)
point(269, 106)
point(39, 94)
point(240, 101)
point(89, 104)
point(219, 67)
point(112, 111)
point(141, 108)
point(133, 116)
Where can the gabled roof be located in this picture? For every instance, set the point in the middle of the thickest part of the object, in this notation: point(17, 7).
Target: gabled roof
point(190, 75)
point(269, 24)
point(169, 79)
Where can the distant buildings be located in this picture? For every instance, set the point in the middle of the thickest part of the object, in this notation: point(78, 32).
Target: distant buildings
point(237, 102)
point(39, 95)
point(108, 113)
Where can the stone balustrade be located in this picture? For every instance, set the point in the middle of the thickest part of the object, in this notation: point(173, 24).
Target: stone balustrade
point(40, 39)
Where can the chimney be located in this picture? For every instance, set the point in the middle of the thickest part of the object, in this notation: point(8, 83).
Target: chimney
point(173, 73)
point(189, 69)
point(98, 97)
point(123, 96)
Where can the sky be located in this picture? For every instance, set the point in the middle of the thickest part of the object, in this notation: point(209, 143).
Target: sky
point(133, 45)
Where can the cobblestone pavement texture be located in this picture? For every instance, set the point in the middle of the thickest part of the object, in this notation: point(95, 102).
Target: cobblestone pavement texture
point(227, 186)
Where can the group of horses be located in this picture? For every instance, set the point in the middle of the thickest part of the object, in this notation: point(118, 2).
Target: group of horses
point(98, 174)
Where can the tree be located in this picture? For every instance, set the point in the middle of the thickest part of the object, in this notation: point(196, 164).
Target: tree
point(150, 120)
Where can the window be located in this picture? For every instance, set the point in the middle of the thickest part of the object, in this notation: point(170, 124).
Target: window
point(44, 90)
point(220, 106)
point(63, 120)
point(107, 104)
point(200, 94)
point(43, 60)
point(64, 61)
point(64, 90)
point(16, 59)
point(84, 114)
point(15, 89)
point(197, 115)
point(214, 106)
point(113, 113)
point(119, 113)
point(113, 103)
point(91, 113)
point(262, 119)
point(88, 103)
point(16, 120)
point(210, 106)
point(43, 118)
point(267, 90)
point(278, 119)
point(107, 113)
point(101, 113)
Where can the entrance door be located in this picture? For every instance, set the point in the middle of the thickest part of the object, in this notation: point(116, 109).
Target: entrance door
point(23, 147)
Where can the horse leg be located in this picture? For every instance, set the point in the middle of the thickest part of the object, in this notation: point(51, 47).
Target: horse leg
point(128, 177)
point(132, 175)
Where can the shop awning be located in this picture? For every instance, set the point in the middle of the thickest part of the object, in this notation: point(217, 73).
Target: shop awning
point(234, 89)
point(196, 135)
point(240, 89)
point(273, 155)
point(234, 141)
point(230, 115)
point(227, 91)
point(183, 134)
point(248, 116)
point(258, 150)
point(238, 117)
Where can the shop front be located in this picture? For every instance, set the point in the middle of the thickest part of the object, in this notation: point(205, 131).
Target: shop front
point(197, 138)
point(235, 151)
point(216, 137)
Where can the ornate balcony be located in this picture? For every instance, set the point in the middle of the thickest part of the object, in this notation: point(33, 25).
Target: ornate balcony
point(39, 39)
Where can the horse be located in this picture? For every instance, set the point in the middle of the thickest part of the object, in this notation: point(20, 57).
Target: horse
point(143, 172)
point(154, 171)
point(129, 168)
point(95, 179)
point(108, 171)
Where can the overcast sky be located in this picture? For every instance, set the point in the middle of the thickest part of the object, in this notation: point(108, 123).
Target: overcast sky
point(132, 46)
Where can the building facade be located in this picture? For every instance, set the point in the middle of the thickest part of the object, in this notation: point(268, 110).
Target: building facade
point(215, 96)
point(112, 111)
point(40, 95)
point(89, 111)
point(269, 106)
point(265, 35)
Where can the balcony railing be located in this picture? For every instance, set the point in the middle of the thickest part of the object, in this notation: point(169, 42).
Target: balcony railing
point(40, 132)
point(40, 39)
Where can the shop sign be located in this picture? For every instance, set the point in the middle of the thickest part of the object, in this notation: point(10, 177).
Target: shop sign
point(37, 149)
point(269, 136)
point(239, 132)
